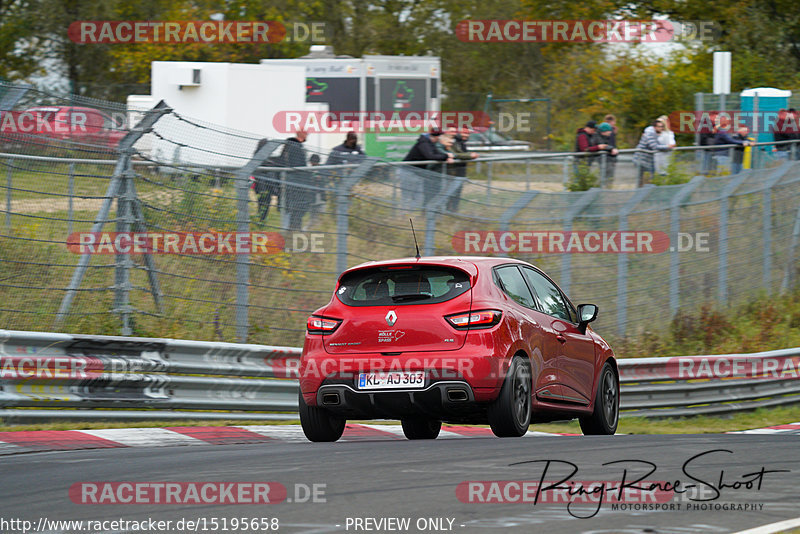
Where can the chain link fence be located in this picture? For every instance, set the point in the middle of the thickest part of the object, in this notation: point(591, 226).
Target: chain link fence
point(308, 215)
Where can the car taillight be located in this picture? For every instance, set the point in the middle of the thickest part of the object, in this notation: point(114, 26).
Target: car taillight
point(476, 319)
point(322, 325)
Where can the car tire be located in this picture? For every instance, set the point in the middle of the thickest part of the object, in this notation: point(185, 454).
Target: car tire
point(510, 414)
point(605, 417)
point(320, 424)
point(421, 428)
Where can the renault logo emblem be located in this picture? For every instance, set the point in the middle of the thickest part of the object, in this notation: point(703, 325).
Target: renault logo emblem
point(391, 318)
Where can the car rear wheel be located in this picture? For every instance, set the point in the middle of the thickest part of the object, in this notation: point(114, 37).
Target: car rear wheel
point(605, 416)
point(510, 414)
point(320, 424)
point(421, 428)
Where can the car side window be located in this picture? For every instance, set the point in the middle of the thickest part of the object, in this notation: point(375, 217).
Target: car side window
point(548, 294)
point(514, 285)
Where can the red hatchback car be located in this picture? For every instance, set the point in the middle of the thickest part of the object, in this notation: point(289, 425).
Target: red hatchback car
point(461, 340)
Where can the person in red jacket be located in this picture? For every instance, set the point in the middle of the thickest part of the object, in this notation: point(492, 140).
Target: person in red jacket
point(586, 141)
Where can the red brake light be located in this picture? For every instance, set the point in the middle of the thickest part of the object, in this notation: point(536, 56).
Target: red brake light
point(322, 325)
point(476, 319)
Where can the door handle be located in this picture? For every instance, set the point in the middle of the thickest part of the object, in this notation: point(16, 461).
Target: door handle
point(561, 338)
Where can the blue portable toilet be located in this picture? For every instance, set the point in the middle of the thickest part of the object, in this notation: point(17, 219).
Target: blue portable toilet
point(766, 101)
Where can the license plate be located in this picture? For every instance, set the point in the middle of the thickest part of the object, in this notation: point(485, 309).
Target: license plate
point(391, 380)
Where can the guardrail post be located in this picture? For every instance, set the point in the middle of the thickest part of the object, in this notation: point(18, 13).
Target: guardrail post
point(9, 184)
point(674, 230)
point(124, 149)
point(622, 260)
point(242, 182)
point(343, 189)
point(585, 200)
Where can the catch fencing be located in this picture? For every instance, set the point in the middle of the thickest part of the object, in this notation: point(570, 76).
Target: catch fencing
point(730, 237)
point(60, 376)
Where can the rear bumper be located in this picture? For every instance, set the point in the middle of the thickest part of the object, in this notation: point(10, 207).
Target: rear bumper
point(440, 399)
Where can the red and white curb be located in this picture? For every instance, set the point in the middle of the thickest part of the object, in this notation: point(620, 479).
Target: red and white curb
point(791, 428)
point(64, 440)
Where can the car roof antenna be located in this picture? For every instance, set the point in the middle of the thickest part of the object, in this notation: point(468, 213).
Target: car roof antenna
point(415, 236)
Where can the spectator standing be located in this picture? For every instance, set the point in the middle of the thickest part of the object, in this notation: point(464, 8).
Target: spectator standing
point(266, 185)
point(586, 141)
point(459, 169)
point(724, 137)
point(611, 163)
point(299, 186)
point(741, 155)
point(648, 143)
point(708, 131)
point(666, 137)
point(419, 187)
point(348, 152)
point(605, 137)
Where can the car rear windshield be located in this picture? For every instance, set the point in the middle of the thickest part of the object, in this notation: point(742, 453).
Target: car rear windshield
point(398, 285)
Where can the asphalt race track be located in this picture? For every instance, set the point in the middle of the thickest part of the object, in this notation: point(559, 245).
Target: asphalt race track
point(365, 483)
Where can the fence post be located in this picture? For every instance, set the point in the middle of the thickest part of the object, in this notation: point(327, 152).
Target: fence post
point(699, 154)
point(70, 195)
point(528, 174)
point(433, 208)
point(622, 260)
point(567, 165)
point(123, 263)
point(767, 222)
point(585, 200)
point(242, 182)
point(489, 182)
point(523, 200)
point(125, 148)
point(789, 275)
point(343, 189)
point(674, 230)
point(603, 164)
point(9, 184)
point(722, 278)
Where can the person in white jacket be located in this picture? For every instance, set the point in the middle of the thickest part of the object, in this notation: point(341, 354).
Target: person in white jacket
point(666, 137)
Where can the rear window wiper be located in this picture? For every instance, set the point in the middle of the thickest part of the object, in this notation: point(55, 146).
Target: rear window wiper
point(411, 296)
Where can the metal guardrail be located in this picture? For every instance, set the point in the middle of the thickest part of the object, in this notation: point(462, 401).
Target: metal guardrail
point(66, 376)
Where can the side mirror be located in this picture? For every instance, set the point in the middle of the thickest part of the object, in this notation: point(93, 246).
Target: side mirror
point(586, 314)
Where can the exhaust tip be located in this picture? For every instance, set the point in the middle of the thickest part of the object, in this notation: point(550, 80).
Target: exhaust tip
point(457, 395)
point(330, 398)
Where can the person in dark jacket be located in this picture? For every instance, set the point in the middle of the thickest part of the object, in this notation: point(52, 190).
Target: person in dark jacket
point(348, 152)
point(724, 137)
point(605, 137)
point(461, 154)
point(421, 187)
point(266, 185)
point(300, 184)
point(708, 132)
